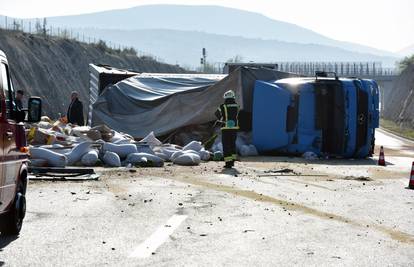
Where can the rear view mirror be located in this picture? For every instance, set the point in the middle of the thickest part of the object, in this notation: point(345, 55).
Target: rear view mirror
point(34, 109)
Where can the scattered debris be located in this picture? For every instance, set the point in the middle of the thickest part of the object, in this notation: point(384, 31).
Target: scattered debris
point(62, 174)
point(286, 170)
point(358, 178)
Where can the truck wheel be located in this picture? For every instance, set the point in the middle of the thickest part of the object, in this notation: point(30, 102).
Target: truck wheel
point(12, 222)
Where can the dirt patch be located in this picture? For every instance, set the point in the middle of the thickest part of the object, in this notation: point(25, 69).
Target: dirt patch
point(292, 206)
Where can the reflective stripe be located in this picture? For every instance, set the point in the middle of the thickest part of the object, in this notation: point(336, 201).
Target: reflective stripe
point(226, 159)
point(226, 115)
point(232, 105)
point(230, 128)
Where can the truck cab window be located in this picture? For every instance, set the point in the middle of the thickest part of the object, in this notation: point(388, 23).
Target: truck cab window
point(8, 90)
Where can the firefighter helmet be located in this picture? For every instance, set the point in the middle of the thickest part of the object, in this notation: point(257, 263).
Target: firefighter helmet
point(229, 94)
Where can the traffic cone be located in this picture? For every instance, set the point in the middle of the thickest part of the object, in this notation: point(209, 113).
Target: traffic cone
point(381, 160)
point(411, 184)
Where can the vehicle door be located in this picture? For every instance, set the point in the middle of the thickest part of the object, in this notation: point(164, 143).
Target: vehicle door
point(10, 158)
point(2, 178)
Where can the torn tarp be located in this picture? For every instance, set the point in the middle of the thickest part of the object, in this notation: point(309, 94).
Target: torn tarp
point(164, 102)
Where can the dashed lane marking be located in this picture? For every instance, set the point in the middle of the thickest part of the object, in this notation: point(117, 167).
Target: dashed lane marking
point(161, 235)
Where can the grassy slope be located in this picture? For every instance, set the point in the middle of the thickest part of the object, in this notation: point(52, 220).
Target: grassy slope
point(395, 128)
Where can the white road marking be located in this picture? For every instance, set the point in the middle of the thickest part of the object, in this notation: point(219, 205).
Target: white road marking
point(161, 235)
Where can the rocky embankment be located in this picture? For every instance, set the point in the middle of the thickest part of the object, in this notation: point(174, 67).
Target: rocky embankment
point(52, 67)
point(400, 105)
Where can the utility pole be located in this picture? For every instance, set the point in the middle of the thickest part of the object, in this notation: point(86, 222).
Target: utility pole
point(203, 59)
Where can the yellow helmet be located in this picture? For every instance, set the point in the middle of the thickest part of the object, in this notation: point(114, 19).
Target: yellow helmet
point(229, 94)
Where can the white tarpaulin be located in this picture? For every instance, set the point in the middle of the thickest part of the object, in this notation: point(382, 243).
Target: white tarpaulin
point(164, 102)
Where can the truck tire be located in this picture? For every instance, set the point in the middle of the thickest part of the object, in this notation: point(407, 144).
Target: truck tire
point(11, 223)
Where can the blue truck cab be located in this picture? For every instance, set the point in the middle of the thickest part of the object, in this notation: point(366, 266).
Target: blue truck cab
point(325, 115)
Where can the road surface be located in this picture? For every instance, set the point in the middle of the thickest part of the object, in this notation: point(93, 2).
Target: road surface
point(321, 212)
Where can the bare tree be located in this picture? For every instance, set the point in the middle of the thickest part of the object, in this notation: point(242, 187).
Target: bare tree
point(38, 27)
point(44, 27)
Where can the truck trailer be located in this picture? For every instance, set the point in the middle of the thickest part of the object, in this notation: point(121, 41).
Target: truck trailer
point(328, 116)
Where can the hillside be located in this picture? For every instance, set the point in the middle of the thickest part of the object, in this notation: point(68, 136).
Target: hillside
point(53, 67)
point(185, 47)
point(208, 19)
point(400, 105)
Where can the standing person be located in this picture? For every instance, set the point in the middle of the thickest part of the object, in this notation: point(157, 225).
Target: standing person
point(19, 111)
point(228, 114)
point(75, 110)
point(19, 99)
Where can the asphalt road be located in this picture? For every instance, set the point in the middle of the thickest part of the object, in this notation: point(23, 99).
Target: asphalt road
point(325, 212)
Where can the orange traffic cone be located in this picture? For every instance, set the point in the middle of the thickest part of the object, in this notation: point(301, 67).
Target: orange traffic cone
point(381, 160)
point(411, 184)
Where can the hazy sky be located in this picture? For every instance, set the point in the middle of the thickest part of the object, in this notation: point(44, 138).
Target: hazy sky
point(384, 24)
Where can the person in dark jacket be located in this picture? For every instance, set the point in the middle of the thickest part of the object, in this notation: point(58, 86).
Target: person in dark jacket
point(19, 111)
point(75, 110)
point(19, 99)
point(228, 114)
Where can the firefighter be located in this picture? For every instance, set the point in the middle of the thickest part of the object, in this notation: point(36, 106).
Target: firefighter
point(228, 114)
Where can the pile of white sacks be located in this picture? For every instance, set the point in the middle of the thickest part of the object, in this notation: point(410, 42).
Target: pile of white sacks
point(121, 150)
point(243, 145)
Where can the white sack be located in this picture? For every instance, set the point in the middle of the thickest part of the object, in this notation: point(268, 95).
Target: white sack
point(79, 131)
point(168, 151)
point(53, 159)
point(117, 138)
point(204, 155)
point(122, 150)
point(248, 150)
point(188, 159)
point(182, 152)
point(77, 152)
point(151, 140)
point(136, 158)
point(162, 156)
point(122, 141)
point(90, 158)
point(193, 145)
point(217, 147)
point(144, 148)
point(112, 159)
point(44, 125)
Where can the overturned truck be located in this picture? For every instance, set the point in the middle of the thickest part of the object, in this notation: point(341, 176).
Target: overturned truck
point(323, 115)
point(285, 113)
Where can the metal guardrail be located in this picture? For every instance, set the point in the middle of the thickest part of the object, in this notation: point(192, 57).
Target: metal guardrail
point(340, 68)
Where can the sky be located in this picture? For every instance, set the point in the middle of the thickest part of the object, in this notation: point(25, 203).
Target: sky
point(383, 24)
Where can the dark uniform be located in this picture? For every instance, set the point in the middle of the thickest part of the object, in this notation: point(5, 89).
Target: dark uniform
point(75, 112)
point(228, 113)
